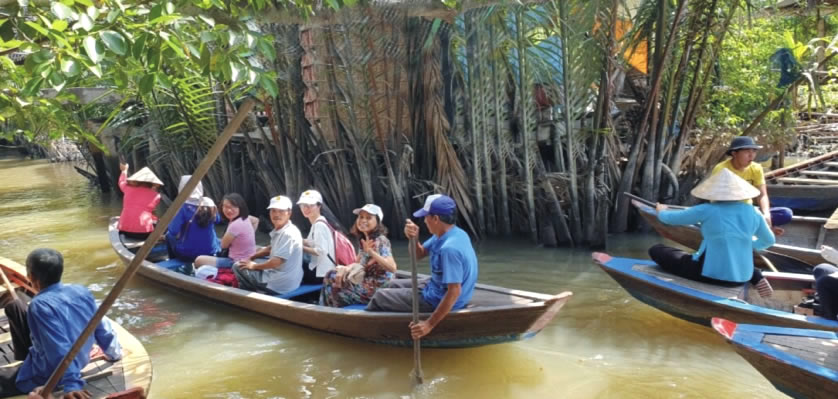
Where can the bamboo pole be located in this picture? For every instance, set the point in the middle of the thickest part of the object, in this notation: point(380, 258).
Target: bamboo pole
point(197, 175)
point(416, 375)
point(8, 284)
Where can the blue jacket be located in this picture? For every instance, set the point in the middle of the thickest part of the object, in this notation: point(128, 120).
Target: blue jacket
point(196, 240)
point(728, 229)
point(57, 316)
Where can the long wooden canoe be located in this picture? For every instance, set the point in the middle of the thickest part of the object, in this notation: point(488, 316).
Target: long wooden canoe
point(125, 377)
point(801, 240)
point(699, 302)
point(811, 185)
point(800, 363)
point(495, 314)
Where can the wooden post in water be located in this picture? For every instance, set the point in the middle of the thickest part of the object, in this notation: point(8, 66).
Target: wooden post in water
point(197, 175)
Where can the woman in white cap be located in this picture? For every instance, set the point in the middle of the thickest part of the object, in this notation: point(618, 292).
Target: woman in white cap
point(192, 231)
point(728, 227)
point(320, 242)
point(357, 283)
point(141, 196)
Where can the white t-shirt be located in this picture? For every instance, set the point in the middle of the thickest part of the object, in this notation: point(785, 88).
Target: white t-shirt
point(324, 243)
point(286, 243)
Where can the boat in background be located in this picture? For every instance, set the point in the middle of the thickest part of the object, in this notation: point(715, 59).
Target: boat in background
point(811, 185)
point(494, 315)
point(800, 363)
point(699, 302)
point(127, 378)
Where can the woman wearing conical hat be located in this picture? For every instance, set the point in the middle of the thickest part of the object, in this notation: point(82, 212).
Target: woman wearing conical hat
point(728, 228)
point(141, 196)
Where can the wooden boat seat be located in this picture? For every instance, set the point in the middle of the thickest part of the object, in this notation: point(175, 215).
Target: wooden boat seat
point(798, 180)
point(171, 264)
point(819, 173)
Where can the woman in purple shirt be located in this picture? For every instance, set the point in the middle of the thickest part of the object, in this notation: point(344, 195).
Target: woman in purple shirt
point(240, 237)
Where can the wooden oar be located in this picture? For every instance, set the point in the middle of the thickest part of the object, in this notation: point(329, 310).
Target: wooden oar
point(197, 175)
point(415, 374)
point(767, 262)
point(8, 284)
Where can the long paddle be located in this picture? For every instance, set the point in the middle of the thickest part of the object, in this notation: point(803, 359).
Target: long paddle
point(8, 284)
point(415, 374)
point(197, 175)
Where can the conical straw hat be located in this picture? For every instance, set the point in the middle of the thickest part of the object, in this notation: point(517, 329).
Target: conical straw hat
point(145, 175)
point(725, 186)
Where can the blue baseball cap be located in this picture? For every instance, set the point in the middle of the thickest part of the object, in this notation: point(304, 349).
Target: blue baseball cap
point(437, 204)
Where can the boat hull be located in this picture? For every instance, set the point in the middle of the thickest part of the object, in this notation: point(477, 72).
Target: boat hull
point(793, 375)
point(462, 328)
point(697, 306)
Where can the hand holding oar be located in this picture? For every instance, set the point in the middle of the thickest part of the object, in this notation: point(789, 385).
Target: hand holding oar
point(416, 374)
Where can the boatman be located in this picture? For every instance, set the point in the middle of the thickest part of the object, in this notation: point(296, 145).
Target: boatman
point(43, 332)
point(453, 268)
point(742, 152)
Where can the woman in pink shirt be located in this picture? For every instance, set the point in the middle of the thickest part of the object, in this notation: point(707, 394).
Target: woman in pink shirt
point(140, 198)
point(240, 237)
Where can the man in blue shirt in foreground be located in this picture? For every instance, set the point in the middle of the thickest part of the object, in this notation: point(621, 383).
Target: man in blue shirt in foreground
point(43, 332)
point(453, 268)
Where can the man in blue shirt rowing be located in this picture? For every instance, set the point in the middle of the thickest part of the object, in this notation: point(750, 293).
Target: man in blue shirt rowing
point(43, 332)
point(453, 268)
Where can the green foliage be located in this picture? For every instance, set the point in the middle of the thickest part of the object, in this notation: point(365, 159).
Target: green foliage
point(748, 81)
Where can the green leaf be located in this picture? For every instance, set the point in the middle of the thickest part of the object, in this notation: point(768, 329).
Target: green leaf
point(147, 83)
point(84, 23)
point(95, 70)
point(94, 49)
point(93, 12)
point(42, 56)
point(34, 25)
point(63, 12)
point(156, 12)
point(114, 41)
point(11, 44)
point(170, 7)
point(153, 58)
point(70, 67)
point(208, 20)
point(112, 16)
point(163, 81)
point(32, 87)
point(267, 49)
point(269, 84)
point(85, 2)
point(59, 25)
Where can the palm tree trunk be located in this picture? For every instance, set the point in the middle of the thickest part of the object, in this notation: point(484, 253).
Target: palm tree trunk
point(499, 92)
point(575, 215)
point(525, 105)
point(475, 125)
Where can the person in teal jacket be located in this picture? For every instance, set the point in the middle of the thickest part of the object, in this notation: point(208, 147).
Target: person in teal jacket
point(728, 227)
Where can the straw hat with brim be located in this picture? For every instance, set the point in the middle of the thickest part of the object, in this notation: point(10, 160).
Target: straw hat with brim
point(725, 186)
point(145, 175)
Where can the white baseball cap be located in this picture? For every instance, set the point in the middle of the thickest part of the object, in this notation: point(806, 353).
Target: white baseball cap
point(372, 209)
point(207, 201)
point(281, 202)
point(310, 197)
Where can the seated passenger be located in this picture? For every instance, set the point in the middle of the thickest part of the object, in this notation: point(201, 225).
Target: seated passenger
point(283, 272)
point(728, 227)
point(240, 237)
point(43, 331)
point(192, 231)
point(140, 197)
point(453, 268)
point(826, 283)
point(320, 242)
point(357, 283)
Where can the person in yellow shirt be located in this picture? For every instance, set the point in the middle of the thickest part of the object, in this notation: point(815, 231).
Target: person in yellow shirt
point(742, 152)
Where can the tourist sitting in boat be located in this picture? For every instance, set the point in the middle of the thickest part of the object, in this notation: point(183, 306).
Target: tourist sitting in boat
point(826, 283)
point(192, 231)
point(742, 152)
point(283, 271)
point(140, 197)
point(453, 268)
point(320, 242)
point(728, 226)
point(239, 239)
point(43, 332)
point(374, 267)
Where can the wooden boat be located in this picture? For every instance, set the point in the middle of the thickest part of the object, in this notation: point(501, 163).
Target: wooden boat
point(800, 363)
point(811, 185)
point(796, 250)
point(699, 302)
point(127, 378)
point(495, 314)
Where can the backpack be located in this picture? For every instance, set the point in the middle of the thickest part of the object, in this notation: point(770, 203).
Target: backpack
point(344, 250)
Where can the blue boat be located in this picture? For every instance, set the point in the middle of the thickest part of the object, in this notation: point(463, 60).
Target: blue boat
point(699, 302)
point(800, 363)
